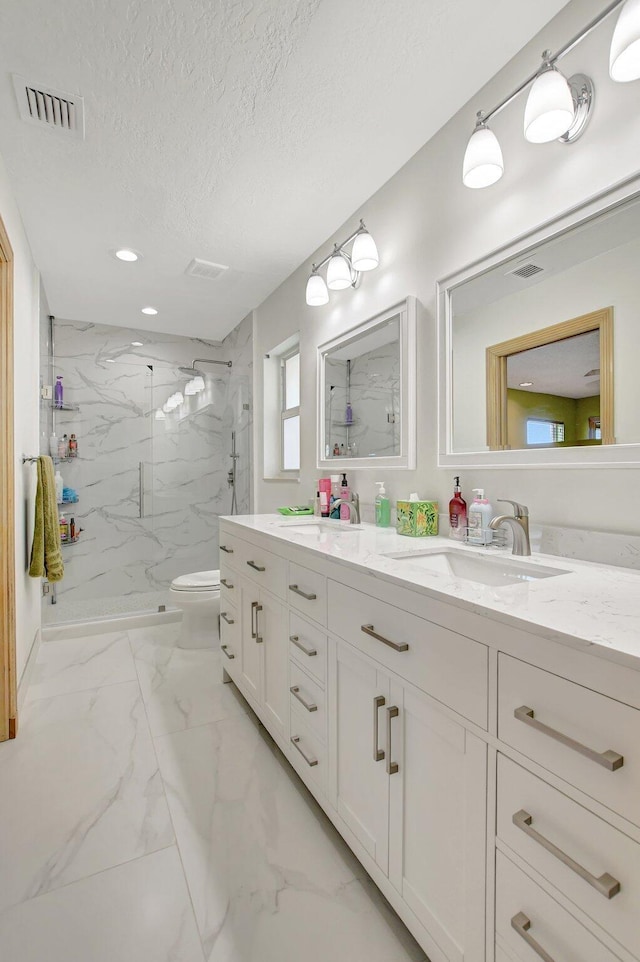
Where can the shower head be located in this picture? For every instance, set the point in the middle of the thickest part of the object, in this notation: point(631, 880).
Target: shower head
point(193, 371)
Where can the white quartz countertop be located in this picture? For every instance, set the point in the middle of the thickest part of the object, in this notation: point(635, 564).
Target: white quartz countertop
point(590, 606)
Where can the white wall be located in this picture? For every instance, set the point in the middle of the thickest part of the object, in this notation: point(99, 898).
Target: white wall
point(26, 290)
point(428, 225)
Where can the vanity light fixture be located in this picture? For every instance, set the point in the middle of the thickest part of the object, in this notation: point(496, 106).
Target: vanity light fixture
point(624, 57)
point(149, 310)
point(344, 269)
point(557, 108)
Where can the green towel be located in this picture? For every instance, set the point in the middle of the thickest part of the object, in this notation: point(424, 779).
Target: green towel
point(46, 550)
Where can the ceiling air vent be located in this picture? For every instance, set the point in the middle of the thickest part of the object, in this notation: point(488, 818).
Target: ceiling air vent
point(526, 270)
point(206, 269)
point(49, 108)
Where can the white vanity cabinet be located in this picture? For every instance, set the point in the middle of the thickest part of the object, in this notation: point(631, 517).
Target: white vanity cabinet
point(485, 776)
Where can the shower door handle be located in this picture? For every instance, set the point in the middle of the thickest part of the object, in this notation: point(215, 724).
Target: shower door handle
point(141, 488)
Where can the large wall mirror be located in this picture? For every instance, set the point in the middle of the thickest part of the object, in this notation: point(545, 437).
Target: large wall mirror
point(538, 347)
point(366, 402)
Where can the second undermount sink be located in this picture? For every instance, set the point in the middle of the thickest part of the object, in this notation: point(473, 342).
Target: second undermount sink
point(320, 527)
point(478, 568)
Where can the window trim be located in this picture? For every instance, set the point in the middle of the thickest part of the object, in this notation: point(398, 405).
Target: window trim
point(287, 413)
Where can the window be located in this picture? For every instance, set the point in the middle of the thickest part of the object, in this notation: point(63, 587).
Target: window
point(544, 432)
point(290, 411)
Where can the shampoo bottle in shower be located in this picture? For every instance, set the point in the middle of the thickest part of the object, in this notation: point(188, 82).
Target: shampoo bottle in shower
point(58, 392)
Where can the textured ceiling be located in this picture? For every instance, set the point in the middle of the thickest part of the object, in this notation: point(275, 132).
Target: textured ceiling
point(239, 132)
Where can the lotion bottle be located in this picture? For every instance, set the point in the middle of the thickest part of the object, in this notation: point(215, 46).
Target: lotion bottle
point(383, 507)
point(480, 514)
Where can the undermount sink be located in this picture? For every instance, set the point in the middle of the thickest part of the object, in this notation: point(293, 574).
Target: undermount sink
point(320, 527)
point(478, 568)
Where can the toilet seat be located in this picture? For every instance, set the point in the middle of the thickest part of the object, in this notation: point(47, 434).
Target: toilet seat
point(197, 581)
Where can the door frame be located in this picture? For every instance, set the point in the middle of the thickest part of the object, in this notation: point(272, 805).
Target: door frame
point(8, 680)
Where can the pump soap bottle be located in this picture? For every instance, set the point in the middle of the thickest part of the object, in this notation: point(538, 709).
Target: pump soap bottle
point(480, 514)
point(457, 514)
point(383, 507)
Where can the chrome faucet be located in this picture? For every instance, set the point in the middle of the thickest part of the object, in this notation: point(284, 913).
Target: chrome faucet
point(519, 524)
point(353, 505)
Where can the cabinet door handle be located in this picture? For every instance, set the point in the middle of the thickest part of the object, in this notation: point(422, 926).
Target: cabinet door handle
point(229, 656)
point(225, 617)
point(610, 760)
point(309, 705)
point(256, 567)
point(303, 594)
point(378, 753)
point(522, 924)
point(295, 640)
point(254, 605)
point(606, 884)
point(392, 767)
point(227, 584)
point(368, 630)
point(224, 548)
point(309, 759)
point(257, 635)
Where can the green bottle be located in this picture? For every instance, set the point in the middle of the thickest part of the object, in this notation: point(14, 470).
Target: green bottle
point(383, 507)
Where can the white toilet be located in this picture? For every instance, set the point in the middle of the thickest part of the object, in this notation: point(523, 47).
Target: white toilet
point(198, 597)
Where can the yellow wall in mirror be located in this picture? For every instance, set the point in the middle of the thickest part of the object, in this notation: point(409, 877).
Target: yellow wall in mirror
point(574, 413)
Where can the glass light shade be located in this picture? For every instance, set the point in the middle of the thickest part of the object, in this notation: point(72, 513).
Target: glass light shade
point(624, 57)
point(179, 396)
point(317, 293)
point(190, 388)
point(364, 256)
point(166, 407)
point(550, 109)
point(160, 415)
point(338, 273)
point(483, 164)
point(198, 384)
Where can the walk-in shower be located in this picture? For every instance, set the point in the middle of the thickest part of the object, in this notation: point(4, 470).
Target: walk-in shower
point(150, 476)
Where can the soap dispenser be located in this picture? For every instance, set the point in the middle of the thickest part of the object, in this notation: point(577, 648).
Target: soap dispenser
point(480, 514)
point(383, 506)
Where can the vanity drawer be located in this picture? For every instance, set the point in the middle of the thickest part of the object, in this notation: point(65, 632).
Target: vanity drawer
point(519, 901)
point(607, 854)
point(229, 636)
point(263, 567)
point(307, 698)
point(602, 756)
point(307, 591)
point(446, 665)
point(308, 646)
point(230, 547)
point(307, 752)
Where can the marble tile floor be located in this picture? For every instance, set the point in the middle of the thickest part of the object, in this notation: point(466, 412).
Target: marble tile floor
point(146, 815)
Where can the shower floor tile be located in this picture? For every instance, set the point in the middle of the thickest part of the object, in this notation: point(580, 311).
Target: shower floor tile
point(67, 610)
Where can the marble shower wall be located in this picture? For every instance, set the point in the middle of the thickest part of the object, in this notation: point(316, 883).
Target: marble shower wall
point(375, 394)
point(139, 534)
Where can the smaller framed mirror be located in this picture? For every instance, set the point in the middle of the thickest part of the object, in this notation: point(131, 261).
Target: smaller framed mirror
point(367, 393)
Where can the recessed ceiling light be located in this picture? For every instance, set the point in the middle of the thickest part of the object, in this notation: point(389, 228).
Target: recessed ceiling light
point(124, 254)
point(149, 310)
point(111, 360)
point(136, 344)
point(526, 383)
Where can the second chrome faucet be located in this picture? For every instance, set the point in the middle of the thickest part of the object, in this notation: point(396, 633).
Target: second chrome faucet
point(519, 524)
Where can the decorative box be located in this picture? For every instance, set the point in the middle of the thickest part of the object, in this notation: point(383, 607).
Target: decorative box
point(418, 519)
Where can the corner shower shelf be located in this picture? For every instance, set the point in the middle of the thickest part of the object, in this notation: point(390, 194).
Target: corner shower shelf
point(65, 406)
point(69, 544)
point(345, 424)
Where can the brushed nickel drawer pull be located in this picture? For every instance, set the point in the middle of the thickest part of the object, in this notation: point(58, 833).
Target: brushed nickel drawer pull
point(224, 548)
point(303, 594)
point(224, 648)
point(295, 640)
point(606, 884)
point(368, 630)
point(610, 760)
point(227, 584)
point(309, 759)
point(522, 924)
point(392, 767)
point(256, 567)
point(259, 638)
point(225, 617)
point(309, 705)
point(254, 605)
point(378, 753)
